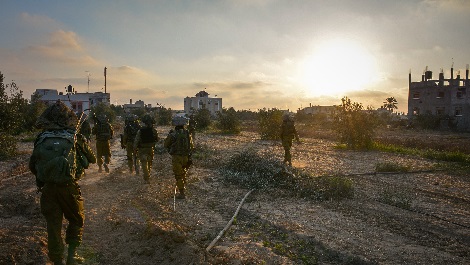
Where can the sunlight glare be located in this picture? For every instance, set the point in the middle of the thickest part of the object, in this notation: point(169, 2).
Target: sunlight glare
point(336, 67)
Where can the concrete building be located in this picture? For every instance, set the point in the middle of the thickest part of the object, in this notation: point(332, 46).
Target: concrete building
point(202, 101)
point(78, 102)
point(312, 110)
point(139, 104)
point(445, 97)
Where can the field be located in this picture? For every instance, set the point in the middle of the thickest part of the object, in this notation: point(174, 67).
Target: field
point(334, 206)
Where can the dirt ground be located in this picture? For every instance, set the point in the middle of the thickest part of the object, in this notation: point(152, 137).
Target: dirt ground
point(417, 217)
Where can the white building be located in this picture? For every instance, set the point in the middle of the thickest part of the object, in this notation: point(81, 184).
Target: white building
point(203, 101)
point(78, 102)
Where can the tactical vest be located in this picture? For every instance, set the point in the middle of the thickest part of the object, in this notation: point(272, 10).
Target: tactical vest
point(131, 130)
point(146, 136)
point(103, 131)
point(288, 128)
point(179, 143)
point(55, 156)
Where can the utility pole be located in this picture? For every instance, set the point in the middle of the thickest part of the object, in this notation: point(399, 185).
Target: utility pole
point(105, 79)
point(88, 74)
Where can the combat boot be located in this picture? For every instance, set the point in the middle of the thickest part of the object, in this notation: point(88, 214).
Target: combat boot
point(181, 196)
point(73, 258)
point(106, 168)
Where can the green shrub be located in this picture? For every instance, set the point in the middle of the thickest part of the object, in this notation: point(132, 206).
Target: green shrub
point(270, 123)
point(250, 170)
point(354, 125)
point(8, 146)
point(202, 118)
point(228, 121)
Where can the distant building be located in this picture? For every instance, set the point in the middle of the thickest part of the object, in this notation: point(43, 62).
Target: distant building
point(78, 102)
point(443, 97)
point(202, 101)
point(139, 104)
point(312, 110)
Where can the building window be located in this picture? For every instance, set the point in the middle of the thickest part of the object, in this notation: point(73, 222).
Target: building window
point(461, 92)
point(440, 110)
point(458, 111)
point(440, 94)
point(416, 95)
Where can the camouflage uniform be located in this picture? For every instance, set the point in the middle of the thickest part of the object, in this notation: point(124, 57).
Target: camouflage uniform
point(192, 126)
point(104, 132)
point(130, 131)
point(288, 133)
point(61, 199)
point(144, 143)
point(181, 156)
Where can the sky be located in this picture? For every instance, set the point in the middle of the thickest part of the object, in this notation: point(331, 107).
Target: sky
point(285, 54)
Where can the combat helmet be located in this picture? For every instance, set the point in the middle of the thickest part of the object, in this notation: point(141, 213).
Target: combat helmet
point(57, 116)
point(179, 121)
point(148, 120)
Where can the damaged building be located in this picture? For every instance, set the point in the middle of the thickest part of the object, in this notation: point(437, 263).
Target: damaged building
point(443, 97)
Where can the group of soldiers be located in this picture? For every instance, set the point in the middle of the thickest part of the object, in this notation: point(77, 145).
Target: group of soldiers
point(62, 152)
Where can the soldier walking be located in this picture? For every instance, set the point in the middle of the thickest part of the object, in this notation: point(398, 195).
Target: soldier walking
point(104, 132)
point(144, 143)
point(131, 127)
point(288, 133)
point(58, 161)
point(179, 144)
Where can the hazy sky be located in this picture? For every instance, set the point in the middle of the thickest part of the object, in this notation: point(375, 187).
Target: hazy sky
point(252, 53)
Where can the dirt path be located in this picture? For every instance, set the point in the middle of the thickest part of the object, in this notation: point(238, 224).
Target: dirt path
point(400, 218)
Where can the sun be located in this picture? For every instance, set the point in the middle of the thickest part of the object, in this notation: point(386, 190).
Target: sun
point(336, 67)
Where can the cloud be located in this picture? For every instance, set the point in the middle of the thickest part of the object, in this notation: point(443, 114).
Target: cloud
point(38, 21)
point(62, 47)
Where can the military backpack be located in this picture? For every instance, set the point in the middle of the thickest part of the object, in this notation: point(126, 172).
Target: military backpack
point(55, 154)
point(179, 143)
point(103, 131)
point(288, 128)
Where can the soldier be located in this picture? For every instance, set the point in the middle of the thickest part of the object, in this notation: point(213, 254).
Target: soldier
point(288, 133)
point(144, 143)
point(131, 127)
point(58, 162)
point(192, 126)
point(104, 132)
point(179, 144)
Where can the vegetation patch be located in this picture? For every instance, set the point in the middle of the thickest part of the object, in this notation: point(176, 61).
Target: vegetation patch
point(7, 146)
point(250, 170)
point(298, 248)
point(391, 167)
point(449, 156)
point(396, 198)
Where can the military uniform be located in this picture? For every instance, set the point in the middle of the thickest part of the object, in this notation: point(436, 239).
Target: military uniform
point(144, 143)
point(179, 144)
point(60, 193)
point(192, 126)
point(104, 132)
point(288, 133)
point(130, 131)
